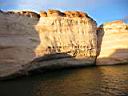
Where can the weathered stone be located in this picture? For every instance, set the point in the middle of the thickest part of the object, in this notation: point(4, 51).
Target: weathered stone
point(113, 42)
point(74, 36)
point(18, 40)
point(54, 13)
point(64, 42)
point(43, 14)
point(67, 39)
point(71, 14)
point(75, 14)
point(25, 13)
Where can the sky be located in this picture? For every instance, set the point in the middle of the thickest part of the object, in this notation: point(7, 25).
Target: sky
point(100, 10)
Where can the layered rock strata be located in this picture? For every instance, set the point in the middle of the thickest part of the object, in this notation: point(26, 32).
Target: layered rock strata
point(58, 40)
point(113, 43)
point(66, 39)
point(74, 35)
point(18, 40)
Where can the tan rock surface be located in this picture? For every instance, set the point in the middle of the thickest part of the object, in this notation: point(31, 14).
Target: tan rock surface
point(18, 39)
point(74, 36)
point(75, 14)
point(64, 42)
point(43, 14)
point(54, 13)
point(59, 39)
point(114, 43)
point(24, 13)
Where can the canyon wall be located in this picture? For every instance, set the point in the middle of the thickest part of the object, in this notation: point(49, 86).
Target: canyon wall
point(70, 32)
point(18, 40)
point(66, 39)
point(55, 39)
point(113, 43)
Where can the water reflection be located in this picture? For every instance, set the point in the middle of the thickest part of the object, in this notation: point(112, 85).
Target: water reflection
point(100, 81)
point(114, 80)
point(91, 81)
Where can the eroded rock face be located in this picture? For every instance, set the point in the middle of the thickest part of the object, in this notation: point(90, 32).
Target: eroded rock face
point(70, 14)
point(43, 14)
point(65, 41)
point(113, 38)
point(54, 13)
point(75, 14)
point(67, 34)
point(24, 13)
point(18, 40)
point(58, 40)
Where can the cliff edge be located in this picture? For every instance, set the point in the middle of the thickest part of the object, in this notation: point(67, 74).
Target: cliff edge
point(18, 39)
point(113, 43)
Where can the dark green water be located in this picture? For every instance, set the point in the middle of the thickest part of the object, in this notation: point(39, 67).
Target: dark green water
point(90, 81)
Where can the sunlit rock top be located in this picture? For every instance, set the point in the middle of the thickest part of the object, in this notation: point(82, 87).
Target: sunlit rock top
point(55, 13)
point(115, 26)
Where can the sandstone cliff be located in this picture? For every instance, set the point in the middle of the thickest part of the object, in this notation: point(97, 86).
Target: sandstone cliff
point(66, 39)
point(74, 35)
point(113, 42)
point(56, 39)
point(18, 39)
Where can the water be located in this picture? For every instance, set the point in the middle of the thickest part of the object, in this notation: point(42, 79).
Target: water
point(90, 81)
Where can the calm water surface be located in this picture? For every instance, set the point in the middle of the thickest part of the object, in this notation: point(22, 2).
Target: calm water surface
point(90, 81)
